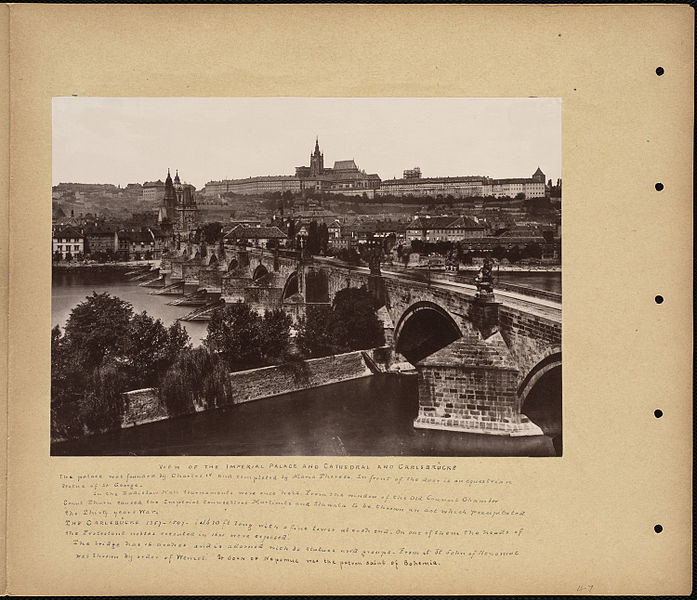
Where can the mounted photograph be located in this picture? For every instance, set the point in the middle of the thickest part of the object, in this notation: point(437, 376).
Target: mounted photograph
point(306, 277)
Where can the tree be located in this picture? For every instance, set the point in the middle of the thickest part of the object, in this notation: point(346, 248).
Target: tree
point(315, 334)
point(66, 377)
point(313, 240)
point(275, 335)
point(102, 405)
point(499, 252)
point(323, 235)
point(532, 250)
point(350, 255)
point(178, 340)
point(197, 378)
point(149, 349)
point(514, 254)
point(350, 324)
point(357, 325)
point(210, 233)
point(234, 333)
point(97, 328)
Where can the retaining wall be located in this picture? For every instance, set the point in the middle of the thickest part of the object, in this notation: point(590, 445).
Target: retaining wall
point(142, 406)
point(256, 384)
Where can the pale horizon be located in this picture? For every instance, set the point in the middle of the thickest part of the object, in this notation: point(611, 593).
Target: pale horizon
point(134, 140)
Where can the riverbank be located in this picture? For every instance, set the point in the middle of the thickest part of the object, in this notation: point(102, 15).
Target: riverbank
point(516, 269)
point(368, 416)
point(144, 406)
point(74, 266)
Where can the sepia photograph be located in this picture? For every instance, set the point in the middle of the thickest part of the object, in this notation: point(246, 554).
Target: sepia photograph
point(306, 277)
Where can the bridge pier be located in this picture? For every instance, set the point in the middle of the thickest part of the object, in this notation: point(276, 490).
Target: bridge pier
point(470, 385)
point(470, 400)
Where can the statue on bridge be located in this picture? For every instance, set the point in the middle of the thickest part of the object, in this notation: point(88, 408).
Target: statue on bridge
point(374, 256)
point(304, 254)
point(485, 280)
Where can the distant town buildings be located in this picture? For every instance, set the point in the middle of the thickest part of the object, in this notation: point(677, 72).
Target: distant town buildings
point(68, 242)
point(259, 236)
point(153, 191)
point(444, 229)
point(496, 216)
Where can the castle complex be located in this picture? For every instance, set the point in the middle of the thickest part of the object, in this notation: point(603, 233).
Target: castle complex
point(466, 186)
point(346, 178)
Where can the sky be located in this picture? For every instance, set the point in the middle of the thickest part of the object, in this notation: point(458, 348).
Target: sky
point(133, 140)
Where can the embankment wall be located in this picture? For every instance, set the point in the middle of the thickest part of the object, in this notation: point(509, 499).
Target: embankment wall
point(292, 377)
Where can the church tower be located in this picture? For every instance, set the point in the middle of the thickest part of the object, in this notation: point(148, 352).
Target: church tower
point(316, 161)
point(169, 202)
point(538, 175)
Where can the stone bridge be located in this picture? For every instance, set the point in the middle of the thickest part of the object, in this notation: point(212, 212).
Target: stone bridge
point(482, 366)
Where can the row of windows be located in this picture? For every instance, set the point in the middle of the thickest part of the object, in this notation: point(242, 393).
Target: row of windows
point(67, 248)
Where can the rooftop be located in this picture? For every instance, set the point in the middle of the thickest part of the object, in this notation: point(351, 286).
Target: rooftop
point(241, 232)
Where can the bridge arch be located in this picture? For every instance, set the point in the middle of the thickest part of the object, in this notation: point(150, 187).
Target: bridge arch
point(316, 286)
point(291, 287)
point(547, 364)
point(424, 328)
point(540, 397)
point(260, 272)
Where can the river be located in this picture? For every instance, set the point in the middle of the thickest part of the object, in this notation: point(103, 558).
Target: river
point(70, 287)
point(549, 281)
point(370, 416)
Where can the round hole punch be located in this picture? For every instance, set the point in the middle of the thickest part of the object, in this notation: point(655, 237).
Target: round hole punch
point(658, 413)
point(659, 187)
point(658, 528)
point(660, 71)
point(659, 299)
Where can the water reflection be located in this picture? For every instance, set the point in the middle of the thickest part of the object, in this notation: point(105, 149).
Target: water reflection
point(372, 416)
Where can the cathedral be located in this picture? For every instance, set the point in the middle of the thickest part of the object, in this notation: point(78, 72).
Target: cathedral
point(343, 177)
point(178, 207)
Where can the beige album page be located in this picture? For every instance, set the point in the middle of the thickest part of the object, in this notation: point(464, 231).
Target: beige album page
point(349, 228)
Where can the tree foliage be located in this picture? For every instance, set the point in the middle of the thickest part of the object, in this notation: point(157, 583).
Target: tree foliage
point(315, 337)
point(105, 351)
point(358, 327)
point(197, 378)
point(97, 328)
point(351, 323)
point(149, 348)
point(244, 339)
